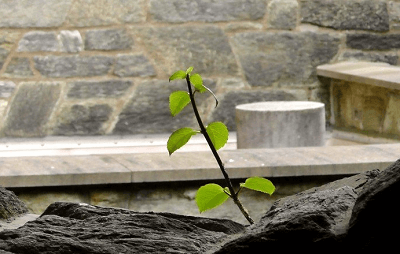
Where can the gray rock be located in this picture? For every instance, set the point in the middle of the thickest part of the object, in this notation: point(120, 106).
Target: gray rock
point(39, 41)
point(89, 13)
point(38, 13)
point(225, 112)
point(206, 48)
point(98, 89)
point(373, 41)
point(3, 56)
point(284, 58)
point(31, 108)
point(18, 67)
point(386, 57)
point(10, 205)
point(6, 88)
point(73, 66)
point(71, 41)
point(133, 66)
point(282, 14)
point(394, 11)
point(107, 39)
point(346, 15)
point(82, 120)
point(148, 110)
point(177, 11)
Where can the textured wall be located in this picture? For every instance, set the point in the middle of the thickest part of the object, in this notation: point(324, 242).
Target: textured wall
point(94, 67)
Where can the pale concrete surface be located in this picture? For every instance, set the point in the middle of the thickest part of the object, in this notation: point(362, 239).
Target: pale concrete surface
point(280, 124)
point(376, 74)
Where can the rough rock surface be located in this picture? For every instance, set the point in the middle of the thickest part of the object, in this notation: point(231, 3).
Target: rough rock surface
point(353, 213)
point(10, 205)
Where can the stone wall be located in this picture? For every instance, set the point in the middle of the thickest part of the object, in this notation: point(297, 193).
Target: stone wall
point(86, 67)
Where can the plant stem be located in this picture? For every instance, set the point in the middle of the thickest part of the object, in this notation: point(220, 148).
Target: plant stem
point(233, 195)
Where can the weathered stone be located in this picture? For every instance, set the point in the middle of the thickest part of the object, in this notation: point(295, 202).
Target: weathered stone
point(346, 15)
point(386, 57)
point(206, 47)
point(282, 14)
point(71, 41)
point(73, 66)
point(82, 120)
point(3, 56)
point(10, 205)
point(391, 122)
point(148, 110)
point(133, 66)
point(84, 13)
point(6, 88)
point(98, 89)
point(110, 198)
point(242, 26)
point(394, 11)
point(177, 11)
point(225, 112)
point(284, 57)
point(31, 108)
point(18, 67)
point(373, 41)
point(374, 216)
point(107, 39)
point(40, 13)
point(39, 41)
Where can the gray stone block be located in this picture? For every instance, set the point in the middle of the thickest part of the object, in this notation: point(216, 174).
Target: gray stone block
point(82, 120)
point(133, 66)
point(38, 13)
point(177, 11)
point(18, 67)
point(107, 39)
point(71, 41)
point(98, 89)
point(39, 41)
point(31, 108)
point(206, 48)
point(284, 57)
point(85, 13)
point(282, 14)
point(6, 88)
point(148, 110)
point(386, 57)
point(3, 56)
point(346, 15)
point(373, 41)
point(73, 66)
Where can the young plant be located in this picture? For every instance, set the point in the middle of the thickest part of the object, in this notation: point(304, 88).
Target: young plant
point(216, 134)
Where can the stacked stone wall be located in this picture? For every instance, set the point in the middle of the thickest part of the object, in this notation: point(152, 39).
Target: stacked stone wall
point(101, 67)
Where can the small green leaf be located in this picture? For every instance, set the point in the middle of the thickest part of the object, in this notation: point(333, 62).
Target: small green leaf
point(178, 75)
point(210, 196)
point(259, 184)
point(179, 138)
point(218, 134)
point(189, 70)
point(178, 101)
point(197, 82)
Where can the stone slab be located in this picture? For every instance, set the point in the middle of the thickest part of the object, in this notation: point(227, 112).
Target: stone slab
point(191, 166)
point(376, 74)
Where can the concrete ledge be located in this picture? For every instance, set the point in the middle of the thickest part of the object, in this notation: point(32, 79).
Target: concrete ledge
point(185, 166)
point(376, 74)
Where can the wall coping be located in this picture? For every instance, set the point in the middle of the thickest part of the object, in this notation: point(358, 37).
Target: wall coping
point(376, 74)
point(39, 171)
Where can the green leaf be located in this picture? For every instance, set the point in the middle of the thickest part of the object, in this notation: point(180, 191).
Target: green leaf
point(218, 134)
point(259, 184)
point(210, 196)
point(189, 70)
point(178, 75)
point(197, 82)
point(179, 138)
point(178, 101)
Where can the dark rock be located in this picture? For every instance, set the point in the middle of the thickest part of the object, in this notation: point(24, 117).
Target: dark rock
point(178, 11)
point(10, 205)
point(346, 15)
point(386, 57)
point(98, 89)
point(375, 220)
point(373, 41)
point(80, 228)
point(133, 66)
point(108, 39)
